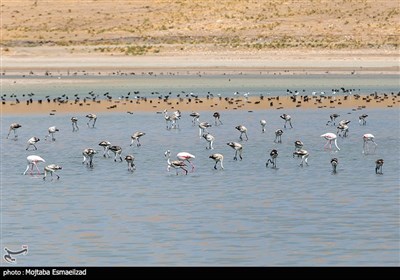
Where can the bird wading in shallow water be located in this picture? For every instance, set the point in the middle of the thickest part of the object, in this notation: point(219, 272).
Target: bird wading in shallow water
point(334, 163)
point(379, 166)
point(131, 165)
point(13, 127)
point(273, 154)
point(288, 119)
point(368, 138)
point(238, 149)
point(217, 158)
point(331, 137)
point(92, 118)
point(51, 168)
point(243, 130)
point(185, 156)
point(176, 164)
point(88, 156)
point(304, 156)
point(32, 141)
point(33, 160)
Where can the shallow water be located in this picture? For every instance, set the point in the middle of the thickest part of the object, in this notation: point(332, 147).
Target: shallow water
point(246, 214)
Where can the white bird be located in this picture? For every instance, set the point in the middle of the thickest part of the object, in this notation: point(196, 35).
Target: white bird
point(136, 136)
point(88, 156)
point(92, 118)
point(32, 141)
point(334, 163)
point(278, 136)
point(185, 156)
point(217, 158)
point(106, 146)
point(203, 128)
point(287, 118)
point(217, 117)
point(117, 150)
point(52, 130)
point(13, 127)
point(379, 166)
point(131, 165)
point(74, 121)
point(176, 164)
point(263, 124)
point(51, 168)
point(273, 154)
point(243, 130)
point(238, 149)
point(368, 137)
point(210, 139)
point(330, 137)
point(303, 154)
point(33, 160)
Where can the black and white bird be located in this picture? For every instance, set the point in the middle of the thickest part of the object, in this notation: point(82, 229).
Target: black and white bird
point(334, 163)
point(13, 127)
point(32, 141)
point(210, 139)
point(88, 156)
point(333, 119)
point(278, 136)
point(217, 118)
point(217, 158)
point(303, 154)
point(288, 119)
point(136, 136)
point(130, 160)
point(243, 130)
point(273, 154)
point(74, 121)
point(203, 128)
point(263, 123)
point(195, 117)
point(52, 130)
point(176, 164)
point(298, 145)
point(106, 146)
point(238, 149)
point(362, 119)
point(51, 168)
point(92, 118)
point(379, 166)
point(117, 150)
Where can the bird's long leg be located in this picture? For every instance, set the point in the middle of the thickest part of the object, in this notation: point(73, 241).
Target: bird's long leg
point(215, 166)
point(247, 138)
point(94, 122)
point(235, 157)
point(221, 163)
point(138, 143)
point(84, 159)
point(27, 167)
point(34, 163)
point(336, 145)
point(191, 164)
point(240, 154)
point(290, 122)
point(186, 172)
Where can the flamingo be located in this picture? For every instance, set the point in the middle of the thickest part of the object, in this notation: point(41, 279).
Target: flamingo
point(334, 163)
point(32, 161)
point(217, 117)
point(106, 146)
point(32, 141)
point(243, 130)
point(378, 166)
point(195, 117)
point(287, 118)
point(210, 139)
point(129, 159)
point(303, 154)
point(88, 155)
point(362, 119)
point(238, 149)
point(136, 137)
point(51, 168)
point(91, 117)
point(203, 128)
point(263, 124)
point(333, 119)
point(74, 121)
point(368, 137)
point(278, 136)
point(13, 127)
point(185, 156)
point(330, 137)
point(273, 154)
point(298, 145)
point(52, 130)
point(217, 158)
point(343, 129)
point(177, 164)
point(117, 150)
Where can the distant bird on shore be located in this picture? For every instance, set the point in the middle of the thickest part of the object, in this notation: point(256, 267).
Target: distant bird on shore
point(263, 123)
point(92, 118)
point(117, 150)
point(379, 166)
point(176, 164)
point(217, 158)
point(106, 145)
point(51, 168)
point(185, 156)
point(362, 119)
point(334, 163)
point(368, 137)
point(52, 130)
point(303, 154)
point(238, 149)
point(136, 136)
point(32, 141)
point(273, 154)
point(331, 137)
point(74, 121)
point(13, 127)
point(243, 130)
point(288, 119)
point(88, 156)
point(131, 165)
point(217, 118)
point(278, 136)
point(333, 119)
point(33, 160)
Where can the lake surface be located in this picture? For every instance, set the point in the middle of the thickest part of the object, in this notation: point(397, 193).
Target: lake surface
point(244, 215)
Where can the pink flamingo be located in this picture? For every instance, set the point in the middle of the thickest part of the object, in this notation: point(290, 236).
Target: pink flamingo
point(32, 161)
point(330, 137)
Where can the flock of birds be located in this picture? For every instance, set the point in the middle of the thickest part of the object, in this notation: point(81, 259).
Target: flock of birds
point(185, 159)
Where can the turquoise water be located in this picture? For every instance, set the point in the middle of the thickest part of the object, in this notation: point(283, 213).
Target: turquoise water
point(244, 215)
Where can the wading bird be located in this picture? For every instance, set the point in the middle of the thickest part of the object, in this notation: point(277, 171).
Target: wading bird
point(129, 159)
point(176, 164)
point(362, 119)
point(74, 121)
point(106, 146)
point(13, 127)
point(33, 160)
point(333, 119)
point(273, 154)
point(210, 139)
point(203, 128)
point(243, 130)
point(52, 130)
point(217, 158)
point(287, 118)
point(379, 166)
point(263, 123)
point(238, 149)
point(330, 137)
point(334, 163)
point(278, 136)
point(217, 117)
point(92, 118)
point(136, 136)
point(368, 137)
point(88, 156)
point(185, 156)
point(32, 141)
point(303, 154)
point(51, 168)
point(117, 150)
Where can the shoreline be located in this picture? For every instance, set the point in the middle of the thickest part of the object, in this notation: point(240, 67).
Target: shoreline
point(355, 102)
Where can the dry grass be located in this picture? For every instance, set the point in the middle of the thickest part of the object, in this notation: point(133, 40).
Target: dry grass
point(137, 27)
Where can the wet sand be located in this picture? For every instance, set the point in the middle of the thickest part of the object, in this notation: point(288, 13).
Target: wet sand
point(203, 104)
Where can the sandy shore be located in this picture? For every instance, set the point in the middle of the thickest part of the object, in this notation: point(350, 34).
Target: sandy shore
point(203, 104)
